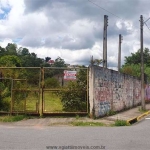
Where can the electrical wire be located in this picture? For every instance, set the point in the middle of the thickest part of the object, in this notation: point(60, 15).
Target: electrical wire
point(118, 16)
point(146, 25)
point(109, 11)
point(105, 9)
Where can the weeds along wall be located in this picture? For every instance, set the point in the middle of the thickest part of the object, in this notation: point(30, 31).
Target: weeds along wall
point(110, 90)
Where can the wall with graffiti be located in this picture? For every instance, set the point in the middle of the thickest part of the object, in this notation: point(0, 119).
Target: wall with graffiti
point(112, 90)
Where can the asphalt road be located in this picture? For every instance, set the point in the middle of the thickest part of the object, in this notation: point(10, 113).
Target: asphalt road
point(136, 137)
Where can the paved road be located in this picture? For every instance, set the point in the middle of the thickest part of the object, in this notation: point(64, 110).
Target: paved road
point(136, 137)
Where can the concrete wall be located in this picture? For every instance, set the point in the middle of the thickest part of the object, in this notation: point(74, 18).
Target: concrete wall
point(111, 90)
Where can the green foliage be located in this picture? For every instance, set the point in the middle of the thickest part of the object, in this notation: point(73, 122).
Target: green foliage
point(73, 95)
point(77, 117)
point(132, 69)
point(4, 97)
point(19, 98)
point(47, 59)
point(95, 61)
point(111, 112)
point(10, 61)
point(30, 60)
point(147, 72)
point(81, 123)
point(2, 51)
point(121, 123)
point(26, 59)
point(12, 118)
point(24, 51)
point(135, 58)
point(82, 78)
point(132, 64)
point(59, 62)
point(52, 102)
point(11, 49)
point(32, 76)
point(73, 98)
point(51, 83)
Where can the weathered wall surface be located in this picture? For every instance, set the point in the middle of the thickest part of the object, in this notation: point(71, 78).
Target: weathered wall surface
point(111, 90)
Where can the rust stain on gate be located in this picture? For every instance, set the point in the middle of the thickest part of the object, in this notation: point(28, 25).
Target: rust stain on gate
point(56, 91)
point(21, 94)
point(42, 91)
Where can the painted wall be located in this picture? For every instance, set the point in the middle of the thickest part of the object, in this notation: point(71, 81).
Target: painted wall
point(111, 90)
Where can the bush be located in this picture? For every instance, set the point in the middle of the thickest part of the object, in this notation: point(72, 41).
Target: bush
point(74, 94)
point(4, 97)
point(51, 83)
point(73, 98)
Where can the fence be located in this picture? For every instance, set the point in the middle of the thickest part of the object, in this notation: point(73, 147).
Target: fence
point(41, 91)
point(63, 91)
point(20, 90)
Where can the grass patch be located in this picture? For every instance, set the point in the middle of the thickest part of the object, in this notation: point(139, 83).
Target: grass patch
point(81, 123)
point(111, 112)
point(77, 117)
point(31, 101)
point(12, 118)
point(52, 102)
point(121, 123)
point(141, 110)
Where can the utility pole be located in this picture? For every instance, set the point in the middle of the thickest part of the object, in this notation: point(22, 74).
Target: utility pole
point(142, 65)
point(119, 52)
point(105, 41)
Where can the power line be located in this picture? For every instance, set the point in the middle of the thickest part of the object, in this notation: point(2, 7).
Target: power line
point(105, 9)
point(145, 31)
point(118, 16)
point(108, 11)
point(147, 26)
point(146, 20)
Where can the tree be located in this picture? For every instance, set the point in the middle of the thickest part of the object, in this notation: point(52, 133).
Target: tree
point(2, 51)
point(10, 61)
point(135, 58)
point(25, 51)
point(133, 70)
point(11, 49)
point(132, 64)
point(59, 62)
point(47, 59)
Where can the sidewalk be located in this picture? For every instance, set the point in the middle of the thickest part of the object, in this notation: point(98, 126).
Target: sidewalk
point(131, 116)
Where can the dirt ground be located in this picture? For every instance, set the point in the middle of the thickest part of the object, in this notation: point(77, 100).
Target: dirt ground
point(56, 121)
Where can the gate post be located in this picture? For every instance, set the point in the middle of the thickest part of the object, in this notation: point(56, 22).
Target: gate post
point(42, 89)
point(11, 105)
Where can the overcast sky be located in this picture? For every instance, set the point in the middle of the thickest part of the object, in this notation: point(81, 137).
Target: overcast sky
point(73, 29)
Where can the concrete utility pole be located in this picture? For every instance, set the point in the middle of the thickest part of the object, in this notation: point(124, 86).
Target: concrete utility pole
point(142, 65)
point(105, 41)
point(119, 52)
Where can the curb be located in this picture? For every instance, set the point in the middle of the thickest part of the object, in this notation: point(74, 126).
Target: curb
point(136, 119)
point(143, 115)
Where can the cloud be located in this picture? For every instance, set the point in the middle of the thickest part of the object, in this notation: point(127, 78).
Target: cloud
point(73, 29)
